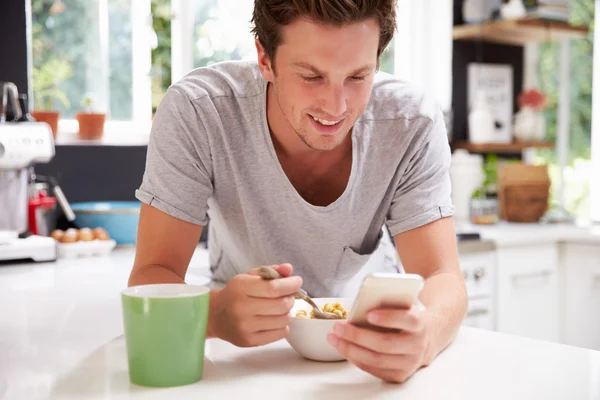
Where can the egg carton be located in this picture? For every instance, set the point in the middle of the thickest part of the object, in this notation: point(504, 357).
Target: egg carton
point(80, 249)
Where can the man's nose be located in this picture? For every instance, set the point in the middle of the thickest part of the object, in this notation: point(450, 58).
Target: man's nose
point(335, 100)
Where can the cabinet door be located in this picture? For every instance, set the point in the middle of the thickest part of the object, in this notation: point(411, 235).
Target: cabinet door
point(479, 314)
point(581, 265)
point(527, 296)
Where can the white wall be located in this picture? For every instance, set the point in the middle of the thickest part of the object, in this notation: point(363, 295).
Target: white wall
point(423, 52)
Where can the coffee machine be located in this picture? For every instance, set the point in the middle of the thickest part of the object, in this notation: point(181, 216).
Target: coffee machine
point(23, 143)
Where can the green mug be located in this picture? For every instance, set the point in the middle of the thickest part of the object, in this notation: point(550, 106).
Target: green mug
point(165, 331)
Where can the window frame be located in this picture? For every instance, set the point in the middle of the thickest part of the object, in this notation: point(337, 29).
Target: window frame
point(595, 183)
point(139, 126)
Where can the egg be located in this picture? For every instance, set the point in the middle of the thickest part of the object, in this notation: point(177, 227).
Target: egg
point(57, 234)
point(86, 235)
point(101, 234)
point(70, 236)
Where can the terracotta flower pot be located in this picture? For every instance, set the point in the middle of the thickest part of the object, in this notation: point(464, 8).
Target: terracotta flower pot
point(49, 117)
point(91, 125)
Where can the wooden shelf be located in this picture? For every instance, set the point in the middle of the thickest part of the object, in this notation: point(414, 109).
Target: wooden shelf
point(515, 147)
point(519, 32)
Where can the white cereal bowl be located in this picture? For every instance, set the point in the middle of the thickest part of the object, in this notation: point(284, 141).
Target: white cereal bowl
point(309, 336)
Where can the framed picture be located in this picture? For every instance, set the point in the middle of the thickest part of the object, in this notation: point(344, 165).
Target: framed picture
point(496, 81)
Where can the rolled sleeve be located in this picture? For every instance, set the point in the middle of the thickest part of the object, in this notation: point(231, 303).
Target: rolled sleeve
point(178, 179)
point(424, 192)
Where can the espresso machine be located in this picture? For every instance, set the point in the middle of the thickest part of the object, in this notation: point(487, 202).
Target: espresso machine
point(23, 143)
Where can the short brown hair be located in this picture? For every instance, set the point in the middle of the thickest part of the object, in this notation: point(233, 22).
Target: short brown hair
point(270, 15)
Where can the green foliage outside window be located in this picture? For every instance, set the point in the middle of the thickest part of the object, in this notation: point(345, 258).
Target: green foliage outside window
point(578, 172)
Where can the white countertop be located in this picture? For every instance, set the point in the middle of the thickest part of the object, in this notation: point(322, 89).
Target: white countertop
point(61, 338)
point(521, 234)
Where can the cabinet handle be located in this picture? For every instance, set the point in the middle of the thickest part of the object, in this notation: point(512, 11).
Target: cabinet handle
point(539, 274)
point(477, 312)
point(479, 273)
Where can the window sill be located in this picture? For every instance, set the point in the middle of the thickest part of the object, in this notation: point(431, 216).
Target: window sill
point(116, 133)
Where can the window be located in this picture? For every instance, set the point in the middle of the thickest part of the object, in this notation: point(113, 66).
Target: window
point(204, 32)
point(91, 49)
point(124, 54)
point(578, 172)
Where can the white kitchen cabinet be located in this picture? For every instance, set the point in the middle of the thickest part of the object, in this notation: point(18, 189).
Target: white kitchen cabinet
point(477, 261)
point(527, 295)
point(581, 272)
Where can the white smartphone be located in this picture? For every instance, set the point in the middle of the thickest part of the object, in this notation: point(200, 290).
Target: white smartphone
point(385, 290)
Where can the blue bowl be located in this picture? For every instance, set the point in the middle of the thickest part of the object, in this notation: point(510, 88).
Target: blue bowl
point(118, 218)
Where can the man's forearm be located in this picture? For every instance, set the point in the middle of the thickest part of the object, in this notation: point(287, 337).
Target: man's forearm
point(445, 299)
point(151, 274)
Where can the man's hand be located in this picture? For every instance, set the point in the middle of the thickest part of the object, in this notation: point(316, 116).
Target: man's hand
point(392, 356)
point(250, 311)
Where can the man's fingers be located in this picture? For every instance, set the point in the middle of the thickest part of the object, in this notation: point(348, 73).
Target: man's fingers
point(267, 323)
point(390, 343)
point(267, 307)
point(274, 288)
point(403, 319)
point(361, 355)
point(387, 375)
point(255, 271)
point(285, 269)
point(266, 337)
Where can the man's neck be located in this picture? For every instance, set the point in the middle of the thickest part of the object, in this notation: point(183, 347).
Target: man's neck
point(320, 177)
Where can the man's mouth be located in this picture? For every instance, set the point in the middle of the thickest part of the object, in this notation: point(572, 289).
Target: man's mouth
point(326, 122)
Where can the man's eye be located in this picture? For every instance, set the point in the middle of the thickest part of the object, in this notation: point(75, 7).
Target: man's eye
point(311, 78)
point(358, 78)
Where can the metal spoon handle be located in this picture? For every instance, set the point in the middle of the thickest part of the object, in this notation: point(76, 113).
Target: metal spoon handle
point(302, 295)
point(269, 273)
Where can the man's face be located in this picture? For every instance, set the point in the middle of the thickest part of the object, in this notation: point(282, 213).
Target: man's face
point(321, 80)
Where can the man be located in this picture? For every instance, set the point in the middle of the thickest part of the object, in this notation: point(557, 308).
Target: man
point(299, 160)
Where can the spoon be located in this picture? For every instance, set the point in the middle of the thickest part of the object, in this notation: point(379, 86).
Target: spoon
point(269, 273)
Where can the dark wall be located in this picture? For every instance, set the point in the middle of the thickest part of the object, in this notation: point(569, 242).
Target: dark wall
point(13, 43)
point(97, 173)
point(465, 52)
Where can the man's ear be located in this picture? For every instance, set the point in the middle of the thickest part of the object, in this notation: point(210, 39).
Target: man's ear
point(264, 62)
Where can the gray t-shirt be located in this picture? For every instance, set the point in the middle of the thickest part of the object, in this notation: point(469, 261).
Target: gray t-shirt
point(210, 157)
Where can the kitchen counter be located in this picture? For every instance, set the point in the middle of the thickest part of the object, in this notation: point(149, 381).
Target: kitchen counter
point(521, 234)
point(61, 338)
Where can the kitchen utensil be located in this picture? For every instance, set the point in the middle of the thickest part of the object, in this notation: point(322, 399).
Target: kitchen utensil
point(269, 273)
point(482, 128)
point(466, 175)
point(58, 193)
point(22, 145)
point(42, 210)
point(9, 90)
point(484, 211)
point(118, 218)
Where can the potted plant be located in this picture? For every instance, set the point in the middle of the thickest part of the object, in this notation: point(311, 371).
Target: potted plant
point(484, 200)
point(46, 81)
point(90, 120)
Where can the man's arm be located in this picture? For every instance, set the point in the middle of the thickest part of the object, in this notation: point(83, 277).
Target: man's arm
point(431, 252)
point(164, 248)
point(249, 311)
